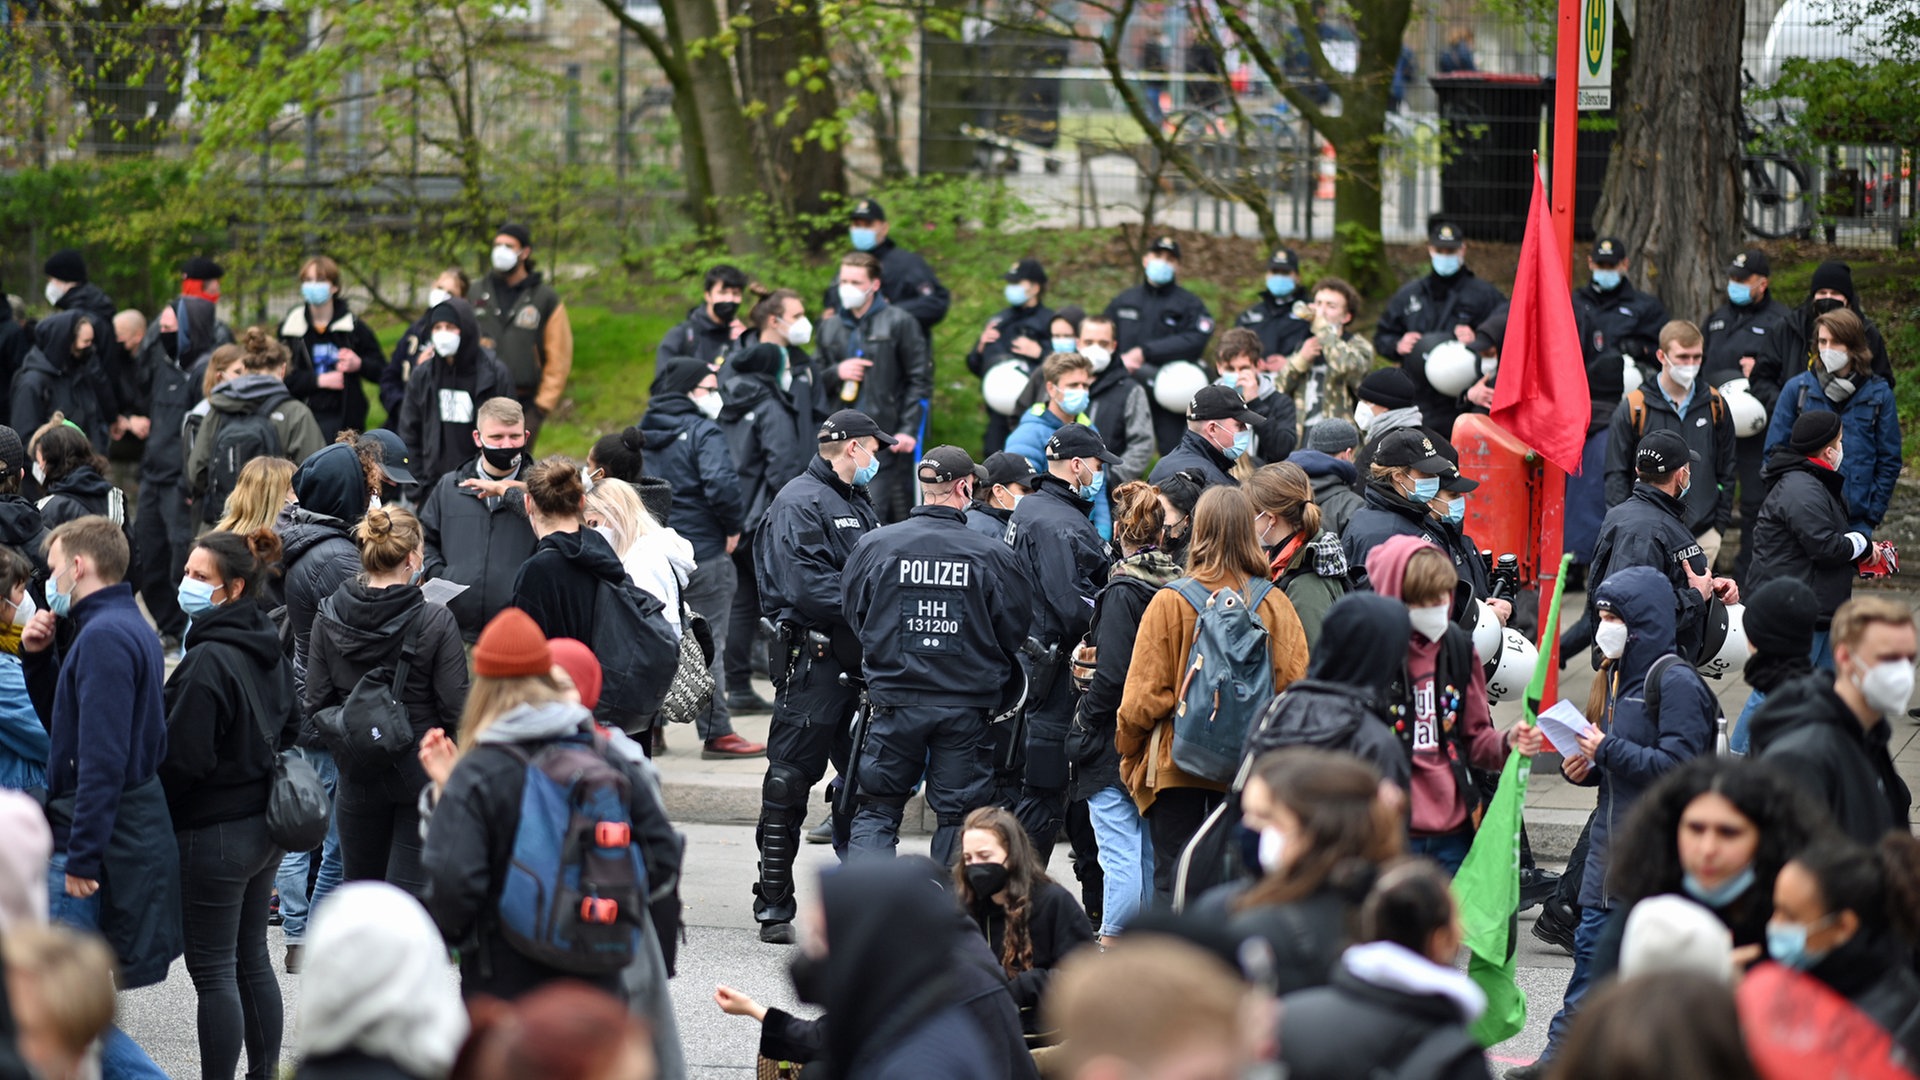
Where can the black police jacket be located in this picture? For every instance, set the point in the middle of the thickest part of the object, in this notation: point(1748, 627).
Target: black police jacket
point(1614, 323)
point(989, 521)
point(1197, 455)
point(1032, 323)
point(1431, 302)
point(803, 544)
point(1753, 330)
point(907, 282)
point(1052, 533)
point(1647, 530)
point(1271, 317)
point(1166, 323)
point(930, 598)
point(1387, 514)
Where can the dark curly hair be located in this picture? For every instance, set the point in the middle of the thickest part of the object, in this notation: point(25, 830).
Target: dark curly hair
point(1024, 874)
point(1880, 884)
point(619, 454)
point(1646, 858)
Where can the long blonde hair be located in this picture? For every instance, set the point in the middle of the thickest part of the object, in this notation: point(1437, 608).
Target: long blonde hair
point(490, 698)
point(615, 506)
point(264, 486)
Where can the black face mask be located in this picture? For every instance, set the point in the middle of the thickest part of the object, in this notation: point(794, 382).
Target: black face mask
point(83, 357)
point(1174, 544)
point(502, 458)
point(1828, 303)
point(986, 879)
point(809, 977)
point(725, 310)
point(170, 344)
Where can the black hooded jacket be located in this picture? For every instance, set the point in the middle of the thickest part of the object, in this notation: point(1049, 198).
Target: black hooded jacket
point(78, 494)
point(769, 430)
point(360, 628)
point(218, 761)
point(167, 389)
point(697, 336)
point(690, 452)
point(1131, 585)
point(319, 553)
point(23, 529)
point(559, 584)
point(92, 303)
point(1356, 672)
point(1802, 531)
point(437, 418)
point(52, 379)
point(1806, 731)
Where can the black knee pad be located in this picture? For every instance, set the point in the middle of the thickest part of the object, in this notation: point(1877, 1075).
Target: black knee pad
point(785, 785)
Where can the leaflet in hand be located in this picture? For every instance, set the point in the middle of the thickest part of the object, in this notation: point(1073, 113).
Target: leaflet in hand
point(1563, 726)
point(440, 590)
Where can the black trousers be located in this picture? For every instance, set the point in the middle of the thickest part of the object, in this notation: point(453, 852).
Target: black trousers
point(951, 745)
point(1748, 457)
point(811, 712)
point(226, 877)
point(743, 621)
point(1173, 819)
point(378, 812)
point(162, 540)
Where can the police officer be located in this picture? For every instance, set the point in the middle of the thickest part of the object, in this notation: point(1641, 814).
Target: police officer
point(800, 549)
point(1449, 300)
point(1650, 529)
point(907, 281)
point(1219, 433)
point(1009, 479)
point(1053, 534)
point(1156, 323)
point(1021, 331)
point(941, 612)
point(1618, 323)
point(1271, 316)
point(1742, 336)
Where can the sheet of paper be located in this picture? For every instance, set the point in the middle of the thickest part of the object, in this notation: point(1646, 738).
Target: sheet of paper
point(1563, 725)
point(440, 590)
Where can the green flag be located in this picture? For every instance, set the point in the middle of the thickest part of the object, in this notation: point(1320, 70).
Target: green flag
point(1487, 888)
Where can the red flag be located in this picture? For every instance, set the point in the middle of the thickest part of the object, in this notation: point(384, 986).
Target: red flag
point(1541, 396)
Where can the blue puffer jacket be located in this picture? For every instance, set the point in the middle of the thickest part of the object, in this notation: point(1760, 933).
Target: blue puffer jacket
point(690, 452)
point(1639, 748)
point(1870, 423)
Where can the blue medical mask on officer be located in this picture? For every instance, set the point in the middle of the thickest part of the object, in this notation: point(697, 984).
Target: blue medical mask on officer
point(1445, 263)
point(1159, 270)
point(1281, 285)
point(1242, 443)
point(1016, 293)
point(1424, 489)
point(863, 238)
point(1606, 280)
point(1094, 486)
point(1740, 293)
point(864, 474)
point(1456, 511)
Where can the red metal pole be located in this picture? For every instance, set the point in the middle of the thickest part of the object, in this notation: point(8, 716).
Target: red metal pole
point(1553, 482)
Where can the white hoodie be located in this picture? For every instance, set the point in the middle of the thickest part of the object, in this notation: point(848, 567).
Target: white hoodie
point(660, 563)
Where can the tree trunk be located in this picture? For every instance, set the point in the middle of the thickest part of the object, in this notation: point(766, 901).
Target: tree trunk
point(1673, 187)
point(721, 121)
point(693, 140)
point(808, 175)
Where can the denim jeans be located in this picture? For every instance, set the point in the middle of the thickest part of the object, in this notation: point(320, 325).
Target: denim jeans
point(1448, 849)
point(295, 903)
point(1585, 937)
point(120, 1057)
point(709, 593)
point(1126, 858)
point(226, 875)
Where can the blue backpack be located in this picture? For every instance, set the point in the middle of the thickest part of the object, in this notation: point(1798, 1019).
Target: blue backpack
point(1228, 679)
point(576, 890)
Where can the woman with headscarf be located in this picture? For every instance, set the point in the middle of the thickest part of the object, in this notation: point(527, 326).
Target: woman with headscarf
point(376, 1002)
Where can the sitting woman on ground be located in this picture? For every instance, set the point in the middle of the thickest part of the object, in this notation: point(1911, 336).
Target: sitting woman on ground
point(1029, 920)
point(1315, 829)
point(1850, 917)
point(73, 476)
point(1306, 560)
point(369, 626)
point(1395, 996)
point(231, 710)
point(1716, 830)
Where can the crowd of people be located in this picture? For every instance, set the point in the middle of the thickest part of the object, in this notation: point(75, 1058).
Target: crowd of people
point(1215, 620)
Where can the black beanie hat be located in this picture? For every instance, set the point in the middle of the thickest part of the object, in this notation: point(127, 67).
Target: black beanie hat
point(1834, 275)
point(1390, 387)
point(1779, 618)
point(1813, 431)
point(67, 264)
point(762, 359)
point(679, 375)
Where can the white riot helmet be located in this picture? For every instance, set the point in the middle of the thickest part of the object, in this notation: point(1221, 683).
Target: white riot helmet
point(1514, 669)
point(1176, 384)
point(1003, 385)
point(1723, 647)
point(1630, 377)
point(1749, 416)
point(1486, 635)
point(1451, 368)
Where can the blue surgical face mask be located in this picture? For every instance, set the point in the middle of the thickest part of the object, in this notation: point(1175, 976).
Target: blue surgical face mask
point(1159, 271)
point(316, 293)
point(1446, 264)
point(1457, 511)
point(1073, 402)
point(864, 475)
point(1016, 293)
point(1787, 944)
point(1425, 490)
point(1065, 344)
point(1242, 442)
point(196, 597)
point(1725, 893)
point(1740, 293)
point(1229, 380)
point(1091, 489)
point(1281, 285)
point(1606, 280)
point(863, 239)
point(60, 603)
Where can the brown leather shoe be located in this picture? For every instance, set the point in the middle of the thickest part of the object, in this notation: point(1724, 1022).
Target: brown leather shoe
point(732, 746)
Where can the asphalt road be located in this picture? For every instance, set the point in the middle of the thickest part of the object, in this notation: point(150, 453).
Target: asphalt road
point(723, 947)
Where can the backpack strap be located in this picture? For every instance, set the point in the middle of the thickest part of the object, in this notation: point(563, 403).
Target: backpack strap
point(1717, 406)
point(1192, 592)
point(409, 651)
point(1257, 590)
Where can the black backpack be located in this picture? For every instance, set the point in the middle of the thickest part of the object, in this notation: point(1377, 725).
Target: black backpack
point(239, 438)
point(637, 651)
point(299, 809)
point(372, 726)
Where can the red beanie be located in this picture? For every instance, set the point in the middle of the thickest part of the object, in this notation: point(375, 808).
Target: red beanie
point(512, 647)
point(578, 661)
